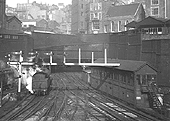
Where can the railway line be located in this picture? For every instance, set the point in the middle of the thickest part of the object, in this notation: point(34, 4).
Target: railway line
point(116, 108)
point(37, 108)
point(73, 99)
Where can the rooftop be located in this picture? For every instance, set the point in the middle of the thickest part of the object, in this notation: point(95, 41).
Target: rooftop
point(123, 10)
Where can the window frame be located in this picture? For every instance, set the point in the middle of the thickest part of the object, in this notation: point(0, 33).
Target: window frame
point(119, 26)
point(152, 8)
point(154, 1)
point(95, 28)
point(105, 28)
point(112, 26)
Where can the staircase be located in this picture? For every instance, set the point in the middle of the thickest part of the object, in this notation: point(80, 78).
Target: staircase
point(155, 102)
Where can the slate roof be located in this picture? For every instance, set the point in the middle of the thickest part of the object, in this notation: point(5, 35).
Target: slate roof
point(32, 20)
point(123, 10)
point(131, 24)
point(12, 17)
point(128, 65)
point(149, 22)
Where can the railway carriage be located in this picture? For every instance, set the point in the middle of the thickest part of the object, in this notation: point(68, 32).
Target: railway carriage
point(132, 82)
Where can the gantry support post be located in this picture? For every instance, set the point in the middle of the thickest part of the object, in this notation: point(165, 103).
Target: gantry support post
point(1, 91)
point(92, 57)
point(105, 56)
point(79, 55)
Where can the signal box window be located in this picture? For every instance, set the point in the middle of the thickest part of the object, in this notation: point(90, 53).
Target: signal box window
point(138, 79)
point(144, 80)
point(116, 76)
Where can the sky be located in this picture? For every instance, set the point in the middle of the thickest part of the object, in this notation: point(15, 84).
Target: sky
point(13, 3)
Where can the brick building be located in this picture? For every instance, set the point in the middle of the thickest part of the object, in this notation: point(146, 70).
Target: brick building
point(119, 16)
point(78, 16)
point(156, 8)
point(2, 14)
point(8, 23)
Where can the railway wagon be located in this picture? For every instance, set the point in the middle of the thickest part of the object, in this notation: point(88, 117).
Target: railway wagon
point(131, 82)
point(41, 83)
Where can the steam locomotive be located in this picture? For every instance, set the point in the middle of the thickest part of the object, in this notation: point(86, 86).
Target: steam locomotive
point(41, 83)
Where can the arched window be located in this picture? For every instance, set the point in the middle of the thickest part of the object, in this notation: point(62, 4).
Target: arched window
point(112, 26)
point(126, 22)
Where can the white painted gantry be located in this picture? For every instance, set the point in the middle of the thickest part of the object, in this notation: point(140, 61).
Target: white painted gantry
point(21, 63)
point(92, 61)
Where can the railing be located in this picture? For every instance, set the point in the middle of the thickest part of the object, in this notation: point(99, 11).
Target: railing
point(153, 93)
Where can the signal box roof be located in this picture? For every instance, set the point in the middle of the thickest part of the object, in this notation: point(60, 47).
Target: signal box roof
point(149, 22)
point(129, 65)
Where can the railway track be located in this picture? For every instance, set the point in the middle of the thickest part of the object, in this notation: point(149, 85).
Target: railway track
point(79, 102)
point(38, 108)
point(72, 99)
point(118, 110)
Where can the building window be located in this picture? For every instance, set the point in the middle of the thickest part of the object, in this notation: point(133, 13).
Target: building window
point(96, 25)
point(154, 11)
point(91, 7)
point(100, 16)
point(154, 2)
point(81, 13)
point(91, 16)
point(126, 22)
point(95, 6)
point(105, 28)
point(100, 6)
point(112, 26)
point(82, 25)
point(15, 37)
point(43, 16)
point(119, 26)
point(96, 15)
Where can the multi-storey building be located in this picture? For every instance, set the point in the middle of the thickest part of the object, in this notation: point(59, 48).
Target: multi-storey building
point(65, 26)
point(31, 11)
point(156, 8)
point(10, 11)
point(98, 13)
point(8, 23)
point(119, 16)
point(78, 16)
point(22, 10)
point(2, 14)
